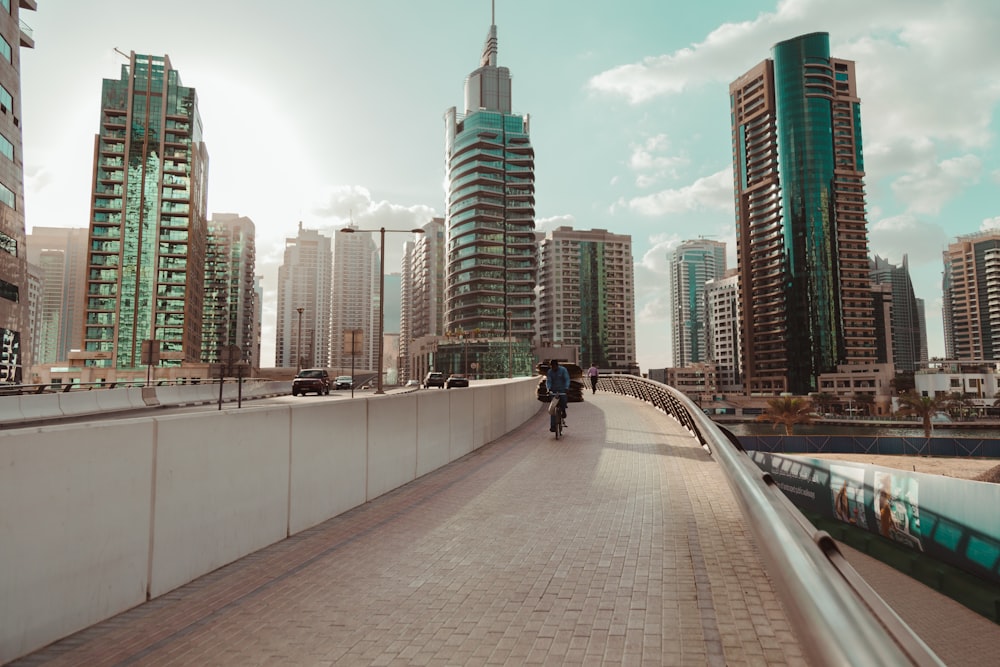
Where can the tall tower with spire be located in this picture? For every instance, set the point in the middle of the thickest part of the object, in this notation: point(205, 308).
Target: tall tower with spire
point(492, 259)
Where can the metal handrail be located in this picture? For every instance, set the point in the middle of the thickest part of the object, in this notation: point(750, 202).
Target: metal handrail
point(839, 618)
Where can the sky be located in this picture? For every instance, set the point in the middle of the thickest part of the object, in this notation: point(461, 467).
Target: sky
point(320, 111)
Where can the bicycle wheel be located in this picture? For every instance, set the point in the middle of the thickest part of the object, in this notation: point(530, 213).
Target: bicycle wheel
point(558, 427)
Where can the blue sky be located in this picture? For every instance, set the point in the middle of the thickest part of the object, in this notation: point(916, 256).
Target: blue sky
point(316, 109)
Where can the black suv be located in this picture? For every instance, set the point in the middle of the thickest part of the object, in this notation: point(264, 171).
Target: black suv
point(311, 379)
point(434, 379)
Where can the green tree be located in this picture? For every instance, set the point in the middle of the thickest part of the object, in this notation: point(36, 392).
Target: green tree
point(787, 410)
point(924, 407)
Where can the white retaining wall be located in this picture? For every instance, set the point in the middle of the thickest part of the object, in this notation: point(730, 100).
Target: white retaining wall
point(97, 518)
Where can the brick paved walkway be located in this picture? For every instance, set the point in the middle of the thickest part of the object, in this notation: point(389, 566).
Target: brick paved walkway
point(620, 544)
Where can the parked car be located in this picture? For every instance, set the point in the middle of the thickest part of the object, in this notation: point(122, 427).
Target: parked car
point(311, 379)
point(344, 382)
point(434, 379)
point(456, 380)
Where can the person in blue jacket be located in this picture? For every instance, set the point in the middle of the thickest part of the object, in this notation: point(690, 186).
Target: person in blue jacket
point(557, 381)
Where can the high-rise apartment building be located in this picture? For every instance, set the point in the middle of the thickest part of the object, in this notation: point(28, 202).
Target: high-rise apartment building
point(15, 327)
point(423, 288)
point(355, 300)
point(586, 296)
point(908, 337)
point(304, 282)
point(722, 296)
point(61, 253)
point(492, 260)
point(802, 245)
point(692, 264)
point(971, 295)
point(228, 323)
point(145, 273)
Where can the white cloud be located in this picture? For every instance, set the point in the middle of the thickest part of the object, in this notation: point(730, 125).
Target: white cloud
point(651, 164)
point(990, 224)
point(928, 186)
point(713, 192)
point(550, 223)
point(656, 261)
point(921, 241)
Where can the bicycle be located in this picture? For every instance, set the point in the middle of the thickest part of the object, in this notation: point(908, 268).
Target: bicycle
point(557, 419)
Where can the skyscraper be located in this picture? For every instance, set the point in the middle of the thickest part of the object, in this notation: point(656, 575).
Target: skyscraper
point(145, 273)
point(724, 344)
point(304, 283)
point(971, 295)
point(228, 326)
point(355, 300)
point(586, 296)
point(906, 332)
point(15, 343)
point(692, 264)
point(61, 252)
point(423, 287)
point(492, 261)
point(802, 245)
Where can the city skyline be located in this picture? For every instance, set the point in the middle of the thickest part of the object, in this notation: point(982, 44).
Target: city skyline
point(646, 91)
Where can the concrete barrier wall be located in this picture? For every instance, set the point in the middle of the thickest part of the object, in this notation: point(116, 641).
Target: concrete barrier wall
point(98, 517)
point(74, 528)
point(221, 491)
point(329, 458)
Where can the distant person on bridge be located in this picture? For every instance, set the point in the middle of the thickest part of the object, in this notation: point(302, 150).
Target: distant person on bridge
point(592, 373)
point(557, 382)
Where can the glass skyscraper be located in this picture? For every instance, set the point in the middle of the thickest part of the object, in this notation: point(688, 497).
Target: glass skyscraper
point(145, 273)
point(802, 244)
point(491, 248)
point(694, 263)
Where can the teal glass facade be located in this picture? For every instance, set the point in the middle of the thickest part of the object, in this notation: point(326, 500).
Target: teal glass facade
point(491, 264)
point(147, 227)
point(802, 232)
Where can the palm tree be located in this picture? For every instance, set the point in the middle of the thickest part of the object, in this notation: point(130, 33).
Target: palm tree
point(787, 410)
point(923, 407)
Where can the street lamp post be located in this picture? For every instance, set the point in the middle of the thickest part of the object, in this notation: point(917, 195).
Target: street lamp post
point(298, 343)
point(381, 292)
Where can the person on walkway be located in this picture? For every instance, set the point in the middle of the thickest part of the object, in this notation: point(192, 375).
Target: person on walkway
point(557, 381)
point(592, 373)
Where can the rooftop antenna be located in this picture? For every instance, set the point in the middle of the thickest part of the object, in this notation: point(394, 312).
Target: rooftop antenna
point(493, 12)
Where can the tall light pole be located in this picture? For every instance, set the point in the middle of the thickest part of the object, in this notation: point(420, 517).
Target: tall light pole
point(298, 343)
point(381, 291)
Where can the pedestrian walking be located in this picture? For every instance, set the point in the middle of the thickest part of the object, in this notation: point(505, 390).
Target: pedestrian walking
point(592, 373)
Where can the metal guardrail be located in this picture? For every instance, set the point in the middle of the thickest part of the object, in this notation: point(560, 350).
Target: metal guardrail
point(839, 618)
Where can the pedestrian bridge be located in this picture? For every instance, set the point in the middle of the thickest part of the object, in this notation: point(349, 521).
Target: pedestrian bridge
point(436, 527)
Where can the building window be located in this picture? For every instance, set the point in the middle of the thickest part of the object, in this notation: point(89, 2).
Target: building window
point(5, 49)
point(9, 291)
point(6, 196)
point(8, 244)
point(6, 5)
point(6, 148)
point(6, 100)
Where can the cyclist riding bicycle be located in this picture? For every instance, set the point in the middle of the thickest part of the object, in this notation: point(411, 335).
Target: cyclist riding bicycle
point(557, 382)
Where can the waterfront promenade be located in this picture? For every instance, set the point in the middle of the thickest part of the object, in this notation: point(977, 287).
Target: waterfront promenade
point(620, 544)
